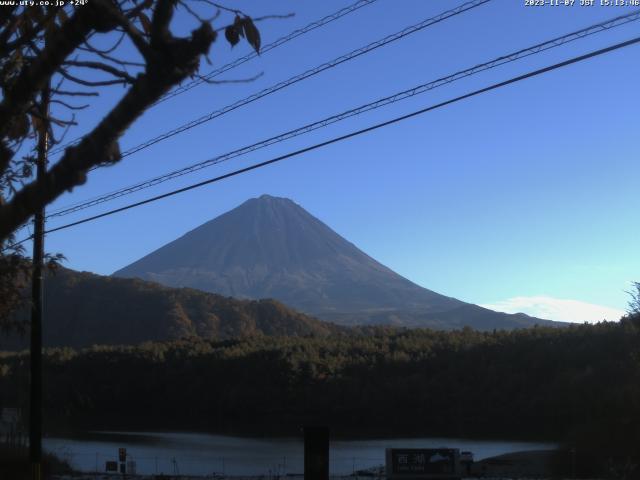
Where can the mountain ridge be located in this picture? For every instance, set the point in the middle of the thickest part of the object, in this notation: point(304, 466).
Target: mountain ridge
point(270, 247)
point(82, 308)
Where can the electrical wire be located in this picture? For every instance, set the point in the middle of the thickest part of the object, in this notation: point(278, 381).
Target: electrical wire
point(511, 57)
point(250, 56)
point(356, 133)
point(266, 48)
point(305, 75)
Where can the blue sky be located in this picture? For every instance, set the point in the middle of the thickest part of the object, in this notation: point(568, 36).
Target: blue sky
point(521, 199)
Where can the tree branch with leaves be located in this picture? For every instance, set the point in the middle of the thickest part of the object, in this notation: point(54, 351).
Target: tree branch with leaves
point(55, 47)
point(634, 304)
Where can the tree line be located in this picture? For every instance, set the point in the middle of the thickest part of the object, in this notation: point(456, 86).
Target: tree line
point(579, 385)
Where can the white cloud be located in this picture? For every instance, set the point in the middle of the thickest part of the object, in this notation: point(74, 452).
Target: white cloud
point(550, 308)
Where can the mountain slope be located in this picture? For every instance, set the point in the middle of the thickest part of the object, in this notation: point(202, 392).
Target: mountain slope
point(83, 309)
point(270, 247)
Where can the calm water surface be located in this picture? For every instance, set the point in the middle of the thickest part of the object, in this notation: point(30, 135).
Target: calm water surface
point(203, 454)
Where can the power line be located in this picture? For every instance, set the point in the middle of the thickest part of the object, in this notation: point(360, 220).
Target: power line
point(523, 53)
point(357, 132)
point(250, 56)
point(345, 137)
point(13, 245)
point(266, 48)
point(305, 75)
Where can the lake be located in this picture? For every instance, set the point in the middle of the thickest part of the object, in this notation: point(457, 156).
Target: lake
point(204, 454)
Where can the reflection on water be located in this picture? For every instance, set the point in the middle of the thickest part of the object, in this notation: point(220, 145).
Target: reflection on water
point(203, 454)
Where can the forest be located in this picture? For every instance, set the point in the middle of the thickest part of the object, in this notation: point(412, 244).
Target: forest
point(82, 308)
point(579, 386)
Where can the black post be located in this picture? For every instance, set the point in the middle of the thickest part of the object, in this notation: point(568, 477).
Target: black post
point(316, 453)
point(35, 393)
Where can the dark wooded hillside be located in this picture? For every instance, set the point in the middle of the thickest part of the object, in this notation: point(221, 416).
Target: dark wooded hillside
point(82, 309)
point(579, 385)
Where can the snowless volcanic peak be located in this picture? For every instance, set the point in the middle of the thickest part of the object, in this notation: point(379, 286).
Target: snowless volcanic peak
point(270, 247)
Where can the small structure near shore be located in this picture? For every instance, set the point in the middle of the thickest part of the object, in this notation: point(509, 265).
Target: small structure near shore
point(423, 464)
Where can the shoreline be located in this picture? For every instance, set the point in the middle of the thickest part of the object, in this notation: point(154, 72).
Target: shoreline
point(515, 465)
point(337, 434)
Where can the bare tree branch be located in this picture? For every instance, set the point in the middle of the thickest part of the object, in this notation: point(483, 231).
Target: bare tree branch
point(274, 17)
point(222, 82)
point(50, 46)
point(62, 42)
point(46, 119)
point(160, 22)
point(101, 66)
point(90, 83)
point(30, 35)
point(69, 106)
point(108, 50)
point(175, 59)
point(110, 58)
point(75, 94)
point(136, 37)
point(195, 14)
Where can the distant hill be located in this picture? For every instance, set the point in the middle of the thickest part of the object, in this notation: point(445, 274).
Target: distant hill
point(82, 309)
point(270, 247)
point(467, 314)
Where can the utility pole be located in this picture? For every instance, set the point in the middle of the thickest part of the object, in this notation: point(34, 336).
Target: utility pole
point(316, 453)
point(35, 391)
